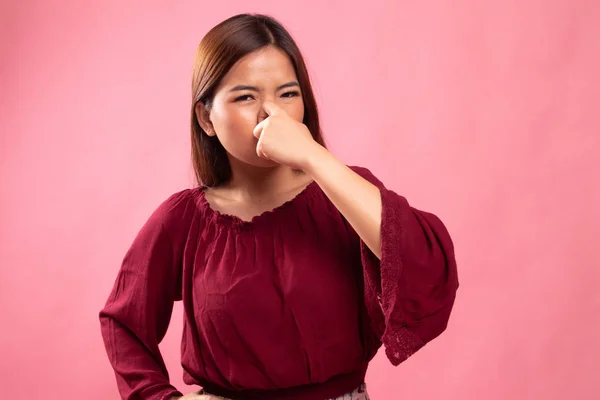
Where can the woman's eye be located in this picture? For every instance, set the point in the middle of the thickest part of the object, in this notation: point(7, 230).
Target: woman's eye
point(244, 98)
point(291, 94)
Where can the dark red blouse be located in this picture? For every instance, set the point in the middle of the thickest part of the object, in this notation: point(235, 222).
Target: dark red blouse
point(291, 305)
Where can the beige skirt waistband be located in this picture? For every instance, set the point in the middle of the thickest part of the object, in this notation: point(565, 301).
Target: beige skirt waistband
point(360, 393)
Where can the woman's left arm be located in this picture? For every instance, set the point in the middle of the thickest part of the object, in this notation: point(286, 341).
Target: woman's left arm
point(407, 255)
point(357, 199)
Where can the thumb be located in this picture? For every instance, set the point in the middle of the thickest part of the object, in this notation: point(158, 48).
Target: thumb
point(257, 131)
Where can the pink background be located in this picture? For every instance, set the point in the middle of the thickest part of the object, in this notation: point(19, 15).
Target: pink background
point(486, 113)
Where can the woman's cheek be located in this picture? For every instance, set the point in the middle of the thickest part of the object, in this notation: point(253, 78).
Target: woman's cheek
point(296, 110)
point(248, 119)
point(241, 125)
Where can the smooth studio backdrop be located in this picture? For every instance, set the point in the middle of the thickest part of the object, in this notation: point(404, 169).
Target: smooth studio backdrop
point(485, 113)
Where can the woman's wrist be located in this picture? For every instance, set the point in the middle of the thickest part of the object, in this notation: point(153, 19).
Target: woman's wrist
point(315, 159)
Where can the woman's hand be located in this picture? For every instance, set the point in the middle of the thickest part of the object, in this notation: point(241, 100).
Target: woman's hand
point(283, 139)
point(197, 396)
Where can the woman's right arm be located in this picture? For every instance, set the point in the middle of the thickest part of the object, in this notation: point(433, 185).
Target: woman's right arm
point(137, 313)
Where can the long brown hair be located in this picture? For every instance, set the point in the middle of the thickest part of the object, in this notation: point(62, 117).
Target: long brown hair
point(218, 51)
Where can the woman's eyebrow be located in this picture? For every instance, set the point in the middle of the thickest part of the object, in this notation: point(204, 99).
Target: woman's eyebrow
point(255, 89)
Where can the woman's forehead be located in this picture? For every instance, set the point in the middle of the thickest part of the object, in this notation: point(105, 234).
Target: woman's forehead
point(266, 67)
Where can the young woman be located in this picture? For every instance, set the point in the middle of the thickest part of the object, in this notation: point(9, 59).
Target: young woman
point(293, 268)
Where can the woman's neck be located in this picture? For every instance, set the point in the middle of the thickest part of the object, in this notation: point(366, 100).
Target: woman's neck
point(251, 183)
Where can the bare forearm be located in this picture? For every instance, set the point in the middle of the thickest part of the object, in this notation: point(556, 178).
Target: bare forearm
point(357, 199)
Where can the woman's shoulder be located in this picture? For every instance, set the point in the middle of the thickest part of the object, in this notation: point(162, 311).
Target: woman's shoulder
point(176, 210)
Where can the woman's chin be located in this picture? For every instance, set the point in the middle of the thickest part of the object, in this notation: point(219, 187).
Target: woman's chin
point(257, 162)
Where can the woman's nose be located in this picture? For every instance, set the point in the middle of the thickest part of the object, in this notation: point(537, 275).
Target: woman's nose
point(262, 114)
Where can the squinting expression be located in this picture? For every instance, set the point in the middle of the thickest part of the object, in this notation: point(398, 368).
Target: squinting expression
point(266, 74)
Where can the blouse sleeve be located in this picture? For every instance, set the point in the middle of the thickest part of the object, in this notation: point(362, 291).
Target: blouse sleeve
point(410, 292)
point(137, 313)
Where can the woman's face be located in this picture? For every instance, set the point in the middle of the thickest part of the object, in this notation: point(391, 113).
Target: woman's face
point(266, 74)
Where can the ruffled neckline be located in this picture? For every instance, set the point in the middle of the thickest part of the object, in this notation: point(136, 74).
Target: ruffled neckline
point(263, 218)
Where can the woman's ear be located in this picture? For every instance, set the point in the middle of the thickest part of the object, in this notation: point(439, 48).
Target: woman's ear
point(203, 117)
